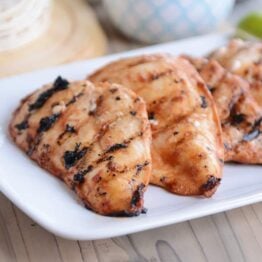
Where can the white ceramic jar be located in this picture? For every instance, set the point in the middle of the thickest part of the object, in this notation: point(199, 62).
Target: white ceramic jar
point(156, 21)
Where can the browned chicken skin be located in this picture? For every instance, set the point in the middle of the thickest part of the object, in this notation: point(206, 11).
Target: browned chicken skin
point(97, 140)
point(187, 149)
point(245, 59)
point(240, 115)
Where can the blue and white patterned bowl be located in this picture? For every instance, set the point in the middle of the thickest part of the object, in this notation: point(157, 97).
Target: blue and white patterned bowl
point(156, 21)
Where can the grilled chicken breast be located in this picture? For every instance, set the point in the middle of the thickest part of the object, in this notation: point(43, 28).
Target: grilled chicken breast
point(245, 59)
point(240, 115)
point(97, 140)
point(187, 149)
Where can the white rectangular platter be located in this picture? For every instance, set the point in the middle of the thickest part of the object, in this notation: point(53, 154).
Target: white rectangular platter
point(56, 208)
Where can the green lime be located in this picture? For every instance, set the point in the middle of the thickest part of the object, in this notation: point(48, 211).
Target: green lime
point(252, 24)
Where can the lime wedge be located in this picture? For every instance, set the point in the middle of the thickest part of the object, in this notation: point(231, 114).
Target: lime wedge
point(252, 24)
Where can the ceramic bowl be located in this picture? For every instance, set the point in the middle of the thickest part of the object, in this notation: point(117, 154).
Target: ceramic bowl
point(156, 21)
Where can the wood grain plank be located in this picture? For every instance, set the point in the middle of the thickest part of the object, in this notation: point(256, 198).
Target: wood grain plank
point(126, 243)
point(254, 223)
point(258, 211)
point(41, 245)
point(228, 237)
point(251, 248)
point(107, 251)
point(70, 250)
point(12, 228)
point(179, 238)
point(166, 252)
point(209, 239)
point(6, 249)
point(88, 251)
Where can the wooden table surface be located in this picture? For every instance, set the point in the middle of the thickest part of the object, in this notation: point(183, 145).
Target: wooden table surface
point(235, 235)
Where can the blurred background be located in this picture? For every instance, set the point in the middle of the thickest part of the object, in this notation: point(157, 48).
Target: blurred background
point(36, 34)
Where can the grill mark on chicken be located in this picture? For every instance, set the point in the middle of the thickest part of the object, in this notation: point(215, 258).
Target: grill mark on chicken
point(104, 158)
point(222, 80)
point(47, 122)
point(102, 132)
point(74, 98)
point(23, 125)
point(111, 165)
point(157, 75)
point(139, 167)
point(59, 85)
point(211, 183)
point(71, 157)
point(234, 101)
point(33, 143)
point(68, 130)
point(137, 195)
point(116, 147)
point(80, 176)
point(237, 119)
point(44, 125)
